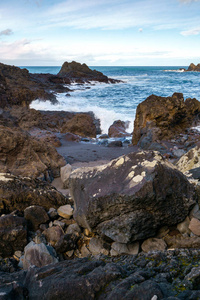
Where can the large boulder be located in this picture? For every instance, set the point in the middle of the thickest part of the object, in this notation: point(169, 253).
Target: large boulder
point(17, 193)
point(24, 155)
point(129, 198)
point(159, 118)
point(13, 234)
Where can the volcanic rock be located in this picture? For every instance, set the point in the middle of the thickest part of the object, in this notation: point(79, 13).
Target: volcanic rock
point(82, 73)
point(129, 198)
point(118, 129)
point(193, 67)
point(24, 155)
point(80, 124)
point(35, 215)
point(13, 234)
point(20, 192)
point(159, 118)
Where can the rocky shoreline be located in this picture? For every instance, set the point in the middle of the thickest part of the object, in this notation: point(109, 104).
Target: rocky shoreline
point(125, 222)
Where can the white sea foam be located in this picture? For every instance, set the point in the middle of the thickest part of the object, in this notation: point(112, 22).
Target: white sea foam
point(176, 71)
point(76, 104)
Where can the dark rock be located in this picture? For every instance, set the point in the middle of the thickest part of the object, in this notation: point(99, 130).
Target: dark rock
point(82, 73)
point(131, 197)
point(118, 129)
point(193, 67)
point(159, 118)
point(21, 192)
point(35, 215)
point(115, 144)
point(13, 234)
point(66, 243)
point(195, 173)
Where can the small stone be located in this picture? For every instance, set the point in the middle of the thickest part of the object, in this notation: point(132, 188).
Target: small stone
point(152, 244)
point(195, 212)
point(53, 234)
point(17, 255)
point(70, 253)
point(65, 211)
point(52, 213)
point(183, 227)
point(84, 251)
point(59, 223)
point(194, 226)
point(87, 232)
point(97, 246)
point(121, 248)
point(73, 228)
point(163, 231)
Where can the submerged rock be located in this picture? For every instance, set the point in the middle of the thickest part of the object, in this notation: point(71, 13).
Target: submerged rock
point(131, 197)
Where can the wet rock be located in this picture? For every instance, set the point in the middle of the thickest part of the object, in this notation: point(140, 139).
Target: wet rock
point(20, 192)
point(131, 197)
point(35, 215)
point(65, 211)
point(152, 244)
point(38, 255)
point(118, 129)
point(13, 234)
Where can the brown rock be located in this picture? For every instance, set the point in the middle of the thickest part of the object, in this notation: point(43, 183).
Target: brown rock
point(194, 226)
point(193, 67)
point(19, 193)
point(80, 124)
point(154, 244)
point(13, 235)
point(24, 155)
point(160, 118)
point(70, 137)
point(35, 215)
point(180, 241)
point(118, 129)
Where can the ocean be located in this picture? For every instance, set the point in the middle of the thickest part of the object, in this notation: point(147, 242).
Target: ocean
point(111, 102)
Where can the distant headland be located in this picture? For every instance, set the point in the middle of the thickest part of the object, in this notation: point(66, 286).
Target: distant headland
point(192, 67)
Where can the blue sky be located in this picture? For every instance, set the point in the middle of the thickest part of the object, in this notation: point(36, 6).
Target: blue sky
point(100, 32)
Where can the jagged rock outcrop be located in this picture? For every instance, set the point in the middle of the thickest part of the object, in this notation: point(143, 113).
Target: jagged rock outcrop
point(159, 118)
point(82, 73)
point(131, 197)
point(118, 129)
point(17, 193)
point(193, 67)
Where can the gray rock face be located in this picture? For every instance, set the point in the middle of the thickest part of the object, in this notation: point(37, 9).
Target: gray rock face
point(13, 234)
point(131, 197)
point(38, 255)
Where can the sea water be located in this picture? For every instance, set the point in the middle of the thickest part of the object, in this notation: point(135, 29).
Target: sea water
point(111, 102)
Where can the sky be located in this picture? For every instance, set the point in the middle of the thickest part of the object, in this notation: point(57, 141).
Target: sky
point(100, 32)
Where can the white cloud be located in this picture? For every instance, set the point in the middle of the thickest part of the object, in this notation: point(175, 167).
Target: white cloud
point(188, 1)
point(194, 31)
